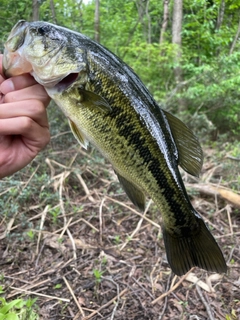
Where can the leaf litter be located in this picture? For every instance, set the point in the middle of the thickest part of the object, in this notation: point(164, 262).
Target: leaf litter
point(77, 244)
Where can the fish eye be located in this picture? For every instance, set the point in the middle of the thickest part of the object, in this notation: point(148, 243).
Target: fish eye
point(41, 30)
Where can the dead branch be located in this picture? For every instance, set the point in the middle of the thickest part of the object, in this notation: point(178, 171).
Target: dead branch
point(212, 190)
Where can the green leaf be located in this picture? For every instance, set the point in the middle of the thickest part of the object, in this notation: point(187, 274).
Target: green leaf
point(10, 305)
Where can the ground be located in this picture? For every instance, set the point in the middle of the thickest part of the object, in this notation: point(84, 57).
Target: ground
point(72, 239)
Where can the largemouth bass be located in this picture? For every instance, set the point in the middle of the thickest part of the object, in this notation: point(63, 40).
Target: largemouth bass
point(107, 105)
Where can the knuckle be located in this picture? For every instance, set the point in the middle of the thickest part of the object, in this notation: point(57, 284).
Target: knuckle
point(27, 124)
point(38, 108)
point(10, 97)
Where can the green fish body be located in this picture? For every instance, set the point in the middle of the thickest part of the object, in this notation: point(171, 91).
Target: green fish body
point(107, 105)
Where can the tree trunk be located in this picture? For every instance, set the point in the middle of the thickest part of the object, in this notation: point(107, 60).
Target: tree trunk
point(220, 15)
point(165, 20)
point(235, 39)
point(149, 33)
point(53, 11)
point(177, 41)
point(142, 7)
point(97, 21)
point(176, 36)
point(35, 10)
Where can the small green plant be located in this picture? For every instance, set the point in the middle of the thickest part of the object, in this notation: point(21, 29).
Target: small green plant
point(55, 212)
point(117, 240)
point(104, 260)
point(17, 309)
point(31, 234)
point(58, 286)
point(98, 275)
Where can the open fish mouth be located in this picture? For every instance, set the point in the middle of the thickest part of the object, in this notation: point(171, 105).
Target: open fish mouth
point(66, 82)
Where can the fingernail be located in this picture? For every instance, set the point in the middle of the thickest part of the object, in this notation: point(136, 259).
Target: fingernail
point(7, 86)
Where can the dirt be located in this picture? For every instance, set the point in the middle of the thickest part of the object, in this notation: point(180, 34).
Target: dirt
point(88, 254)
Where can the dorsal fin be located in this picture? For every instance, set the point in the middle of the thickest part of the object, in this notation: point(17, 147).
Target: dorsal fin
point(190, 155)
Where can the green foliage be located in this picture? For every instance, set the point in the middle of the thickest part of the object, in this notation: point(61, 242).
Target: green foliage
point(10, 13)
point(17, 309)
point(131, 29)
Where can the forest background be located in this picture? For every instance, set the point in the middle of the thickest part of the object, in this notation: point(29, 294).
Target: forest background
point(187, 54)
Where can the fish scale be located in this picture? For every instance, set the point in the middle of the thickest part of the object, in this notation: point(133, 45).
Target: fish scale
point(107, 105)
point(126, 129)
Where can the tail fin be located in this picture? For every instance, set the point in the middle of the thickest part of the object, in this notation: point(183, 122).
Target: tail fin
point(200, 250)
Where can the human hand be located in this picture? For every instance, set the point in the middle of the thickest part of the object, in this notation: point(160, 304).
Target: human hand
point(24, 129)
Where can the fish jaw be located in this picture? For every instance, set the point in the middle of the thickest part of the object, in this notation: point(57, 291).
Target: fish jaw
point(14, 61)
point(38, 48)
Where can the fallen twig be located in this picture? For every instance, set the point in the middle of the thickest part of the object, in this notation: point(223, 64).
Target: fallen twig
point(104, 306)
point(212, 190)
point(137, 228)
point(166, 299)
point(101, 222)
point(40, 294)
point(74, 297)
point(85, 188)
point(134, 211)
point(63, 176)
point(208, 309)
point(172, 288)
point(43, 217)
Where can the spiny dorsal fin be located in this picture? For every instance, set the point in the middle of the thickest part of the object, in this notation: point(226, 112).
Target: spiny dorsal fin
point(134, 193)
point(77, 134)
point(189, 150)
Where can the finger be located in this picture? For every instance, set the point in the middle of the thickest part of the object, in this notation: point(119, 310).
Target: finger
point(1, 73)
point(17, 83)
point(1, 57)
point(33, 109)
point(1, 80)
point(37, 136)
point(36, 92)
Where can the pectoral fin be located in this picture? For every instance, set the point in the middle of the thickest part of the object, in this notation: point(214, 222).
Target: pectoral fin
point(78, 134)
point(189, 150)
point(134, 193)
point(92, 100)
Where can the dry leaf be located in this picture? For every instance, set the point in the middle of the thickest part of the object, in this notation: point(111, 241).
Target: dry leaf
point(194, 279)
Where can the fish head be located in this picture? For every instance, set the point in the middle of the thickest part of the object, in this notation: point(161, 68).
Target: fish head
point(50, 53)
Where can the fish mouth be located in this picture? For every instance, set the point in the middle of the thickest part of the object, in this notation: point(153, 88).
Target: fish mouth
point(13, 63)
point(66, 82)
